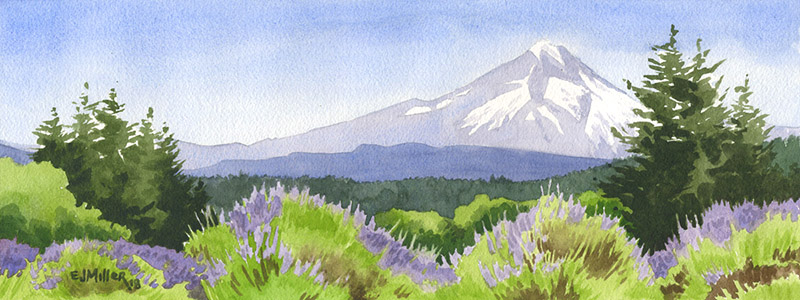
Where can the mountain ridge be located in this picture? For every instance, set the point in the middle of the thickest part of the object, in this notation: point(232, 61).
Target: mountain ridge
point(379, 163)
point(540, 101)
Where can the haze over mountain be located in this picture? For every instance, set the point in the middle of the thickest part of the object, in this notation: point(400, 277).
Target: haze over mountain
point(545, 100)
point(375, 163)
point(15, 152)
point(784, 131)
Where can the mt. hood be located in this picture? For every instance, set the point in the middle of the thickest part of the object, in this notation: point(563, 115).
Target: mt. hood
point(545, 100)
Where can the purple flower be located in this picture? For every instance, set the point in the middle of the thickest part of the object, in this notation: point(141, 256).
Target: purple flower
point(748, 216)
point(712, 277)
point(419, 267)
point(176, 266)
point(256, 211)
point(15, 257)
point(661, 262)
point(487, 275)
point(790, 208)
point(716, 224)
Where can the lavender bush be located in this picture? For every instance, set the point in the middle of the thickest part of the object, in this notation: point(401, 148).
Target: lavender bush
point(259, 263)
point(552, 251)
point(151, 266)
point(737, 249)
point(720, 222)
point(15, 257)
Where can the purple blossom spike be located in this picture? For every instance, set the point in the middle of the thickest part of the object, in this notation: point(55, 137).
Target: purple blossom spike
point(748, 216)
point(606, 222)
point(14, 257)
point(487, 275)
point(786, 208)
point(294, 192)
point(420, 267)
point(318, 200)
point(661, 262)
point(713, 276)
point(215, 271)
point(301, 268)
point(717, 223)
point(286, 256)
point(359, 217)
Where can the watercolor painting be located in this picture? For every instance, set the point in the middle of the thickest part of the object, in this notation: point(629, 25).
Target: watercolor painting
point(399, 150)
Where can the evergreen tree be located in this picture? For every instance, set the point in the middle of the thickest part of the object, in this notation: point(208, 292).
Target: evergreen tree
point(52, 137)
point(747, 173)
point(70, 151)
point(181, 197)
point(677, 142)
point(133, 178)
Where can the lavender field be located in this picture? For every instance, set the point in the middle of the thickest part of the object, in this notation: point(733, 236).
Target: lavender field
point(281, 244)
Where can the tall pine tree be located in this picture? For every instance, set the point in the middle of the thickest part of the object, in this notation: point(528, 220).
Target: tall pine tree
point(748, 173)
point(181, 197)
point(677, 143)
point(129, 171)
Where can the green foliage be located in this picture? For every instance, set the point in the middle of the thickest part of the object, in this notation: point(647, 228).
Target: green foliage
point(445, 236)
point(787, 160)
point(484, 212)
point(315, 235)
point(691, 149)
point(36, 208)
point(597, 204)
point(749, 171)
point(429, 230)
point(415, 194)
point(425, 230)
point(570, 260)
point(128, 171)
point(253, 278)
point(787, 154)
point(783, 288)
point(751, 262)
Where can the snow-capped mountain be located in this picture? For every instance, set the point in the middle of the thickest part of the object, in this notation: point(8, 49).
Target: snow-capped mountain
point(545, 100)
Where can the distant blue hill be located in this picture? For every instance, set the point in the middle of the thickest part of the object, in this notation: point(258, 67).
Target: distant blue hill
point(17, 155)
point(376, 163)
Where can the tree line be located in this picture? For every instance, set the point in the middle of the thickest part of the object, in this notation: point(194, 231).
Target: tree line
point(128, 171)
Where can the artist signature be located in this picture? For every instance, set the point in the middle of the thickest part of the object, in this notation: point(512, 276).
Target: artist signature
point(105, 275)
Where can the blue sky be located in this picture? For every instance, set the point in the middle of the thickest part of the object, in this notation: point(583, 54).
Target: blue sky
point(232, 71)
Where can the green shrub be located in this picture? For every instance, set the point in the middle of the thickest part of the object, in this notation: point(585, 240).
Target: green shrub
point(744, 250)
point(596, 204)
point(37, 209)
point(273, 235)
point(554, 251)
point(444, 236)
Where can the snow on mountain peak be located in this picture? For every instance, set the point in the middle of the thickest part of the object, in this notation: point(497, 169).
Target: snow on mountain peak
point(499, 109)
point(418, 110)
point(546, 101)
point(546, 47)
point(565, 94)
point(552, 100)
